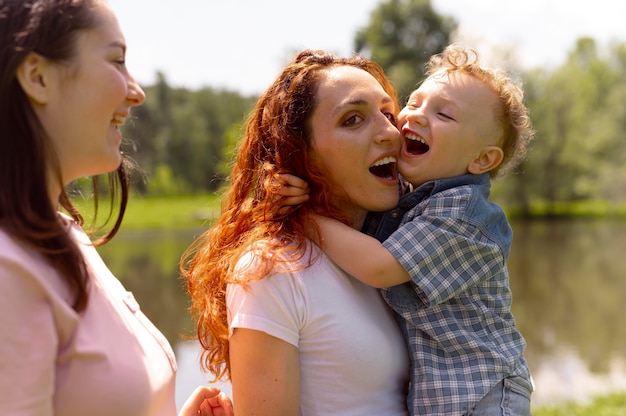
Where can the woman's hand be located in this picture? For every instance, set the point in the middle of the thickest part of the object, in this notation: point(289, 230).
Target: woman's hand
point(207, 401)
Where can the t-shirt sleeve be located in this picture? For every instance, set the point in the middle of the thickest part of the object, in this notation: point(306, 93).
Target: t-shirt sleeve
point(29, 343)
point(274, 305)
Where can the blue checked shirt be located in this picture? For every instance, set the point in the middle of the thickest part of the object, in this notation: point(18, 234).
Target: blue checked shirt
point(456, 311)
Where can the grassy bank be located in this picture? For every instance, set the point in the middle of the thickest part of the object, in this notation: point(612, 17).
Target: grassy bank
point(611, 405)
point(192, 211)
point(162, 212)
point(172, 212)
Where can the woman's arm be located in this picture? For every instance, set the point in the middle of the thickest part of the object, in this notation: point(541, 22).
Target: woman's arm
point(265, 374)
point(360, 255)
point(28, 350)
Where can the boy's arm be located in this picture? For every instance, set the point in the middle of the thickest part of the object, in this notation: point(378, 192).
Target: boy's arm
point(360, 255)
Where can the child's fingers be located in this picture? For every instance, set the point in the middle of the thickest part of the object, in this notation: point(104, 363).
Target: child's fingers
point(291, 191)
point(290, 204)
point(292, 180)
point(207, 401)
point(219, 405)
point(295, 199)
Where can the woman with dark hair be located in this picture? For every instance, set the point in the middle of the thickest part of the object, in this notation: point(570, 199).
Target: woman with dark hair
point(293, 332)
point(74, 341)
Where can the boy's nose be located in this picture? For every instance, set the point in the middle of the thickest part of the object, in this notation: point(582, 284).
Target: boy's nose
point(417, 117)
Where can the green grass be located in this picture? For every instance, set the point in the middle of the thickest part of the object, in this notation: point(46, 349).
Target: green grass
point(611, 405)
point(181, 212)
point(161, 212)
point(172, 212)
point(591, 209)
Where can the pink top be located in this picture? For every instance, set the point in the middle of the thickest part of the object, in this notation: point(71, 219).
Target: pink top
point(110, 360)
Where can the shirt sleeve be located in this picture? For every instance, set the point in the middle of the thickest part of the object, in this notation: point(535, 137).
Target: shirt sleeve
point(274, 305)
point(29, 343)
point(444, 256)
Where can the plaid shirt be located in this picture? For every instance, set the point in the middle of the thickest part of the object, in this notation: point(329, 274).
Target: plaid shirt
point(455, 313)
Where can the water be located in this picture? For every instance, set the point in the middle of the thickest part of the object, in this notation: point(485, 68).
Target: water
point(568, 295)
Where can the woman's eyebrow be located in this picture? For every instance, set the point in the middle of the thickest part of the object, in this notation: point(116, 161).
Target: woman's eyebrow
point(341, 106)
point(358, 102)
point(118, 44)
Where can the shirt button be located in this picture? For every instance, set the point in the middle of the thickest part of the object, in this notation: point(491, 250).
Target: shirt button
point(394, 213)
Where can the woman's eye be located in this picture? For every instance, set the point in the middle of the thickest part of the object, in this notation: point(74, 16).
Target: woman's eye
point(120, 61)
point(391, 117)
point(353, 120)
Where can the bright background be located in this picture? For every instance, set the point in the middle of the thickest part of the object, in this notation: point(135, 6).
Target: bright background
point(241, 45)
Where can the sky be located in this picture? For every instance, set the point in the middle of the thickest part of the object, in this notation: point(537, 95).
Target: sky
point(241, 45)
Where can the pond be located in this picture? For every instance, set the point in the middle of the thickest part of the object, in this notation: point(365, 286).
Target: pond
point(569, 292)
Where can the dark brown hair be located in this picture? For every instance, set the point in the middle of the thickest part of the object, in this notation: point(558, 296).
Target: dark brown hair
point(49, 28)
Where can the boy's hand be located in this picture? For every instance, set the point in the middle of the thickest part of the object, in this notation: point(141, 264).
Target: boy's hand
point(207, 401)
point(292, 192)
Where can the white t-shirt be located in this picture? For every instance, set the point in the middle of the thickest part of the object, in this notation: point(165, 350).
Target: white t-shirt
point(108, 360)
point(353, 358)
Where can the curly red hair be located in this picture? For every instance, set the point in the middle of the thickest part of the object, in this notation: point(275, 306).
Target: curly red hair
point(276, 140)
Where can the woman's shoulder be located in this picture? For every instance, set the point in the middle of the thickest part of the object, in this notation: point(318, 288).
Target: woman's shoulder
point(282, 257)
point(24, 268)
point(18, 252)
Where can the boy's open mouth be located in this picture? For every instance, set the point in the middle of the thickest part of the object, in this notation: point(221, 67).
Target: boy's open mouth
point(415, 145)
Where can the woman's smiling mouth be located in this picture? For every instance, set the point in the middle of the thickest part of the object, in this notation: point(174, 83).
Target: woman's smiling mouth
point(385, 168)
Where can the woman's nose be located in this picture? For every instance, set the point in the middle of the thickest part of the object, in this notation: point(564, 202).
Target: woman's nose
point(136, 95)
point(388, 133)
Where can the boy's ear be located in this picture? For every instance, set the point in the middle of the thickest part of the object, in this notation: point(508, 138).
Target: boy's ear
point(32, 76)
point(489, 158)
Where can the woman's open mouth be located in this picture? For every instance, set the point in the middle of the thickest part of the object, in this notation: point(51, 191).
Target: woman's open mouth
point(385, 168)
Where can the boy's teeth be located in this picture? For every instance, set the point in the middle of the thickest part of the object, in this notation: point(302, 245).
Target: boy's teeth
point(414, 137)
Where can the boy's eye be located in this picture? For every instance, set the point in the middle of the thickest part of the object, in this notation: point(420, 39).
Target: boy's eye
point(444, 115)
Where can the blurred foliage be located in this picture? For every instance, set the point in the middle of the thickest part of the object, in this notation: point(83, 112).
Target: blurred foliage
point(179, 137)
point(184, 140)
point(401, 36)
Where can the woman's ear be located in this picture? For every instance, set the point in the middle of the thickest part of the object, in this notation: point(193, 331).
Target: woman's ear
point(488, 158)
point(32, 76)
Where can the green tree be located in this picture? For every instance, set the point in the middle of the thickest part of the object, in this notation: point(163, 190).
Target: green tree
point(148, 131)
point(233, 136)
point(179, 136)
point(401, 36)
point(578, 113)
point(199, 135)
